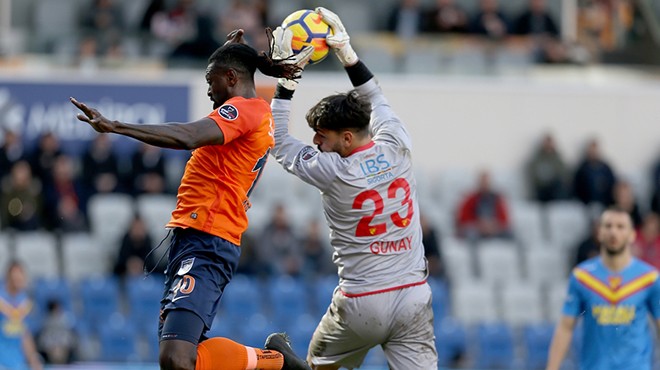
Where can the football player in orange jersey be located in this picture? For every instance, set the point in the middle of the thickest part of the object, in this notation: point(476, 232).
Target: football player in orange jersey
point(230, 147)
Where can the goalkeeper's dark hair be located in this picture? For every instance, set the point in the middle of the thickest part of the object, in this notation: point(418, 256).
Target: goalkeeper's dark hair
point(245, 59)
point(346, 111)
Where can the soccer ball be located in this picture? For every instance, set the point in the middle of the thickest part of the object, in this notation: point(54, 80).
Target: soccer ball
point(308, 29)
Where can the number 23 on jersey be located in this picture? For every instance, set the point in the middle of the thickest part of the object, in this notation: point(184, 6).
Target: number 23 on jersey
point(365, 227)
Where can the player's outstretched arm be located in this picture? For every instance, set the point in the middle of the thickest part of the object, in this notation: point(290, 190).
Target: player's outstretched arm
point(561, 341)
point(169, 135)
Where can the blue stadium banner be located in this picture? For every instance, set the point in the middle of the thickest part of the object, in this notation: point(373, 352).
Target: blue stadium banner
point(35, 108)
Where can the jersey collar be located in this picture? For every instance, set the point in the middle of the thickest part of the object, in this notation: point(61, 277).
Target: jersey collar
point(362, 148)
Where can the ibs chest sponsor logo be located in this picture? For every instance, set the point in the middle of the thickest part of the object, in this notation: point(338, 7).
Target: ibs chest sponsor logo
point(376, 170)
point(391, 247)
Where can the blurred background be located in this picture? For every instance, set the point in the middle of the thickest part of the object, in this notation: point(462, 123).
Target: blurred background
point(549, 107)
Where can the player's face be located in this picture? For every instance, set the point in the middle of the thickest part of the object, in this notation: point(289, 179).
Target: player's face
point(217, 86)
point(329, 141)
point(16, 278)
point(615, 232)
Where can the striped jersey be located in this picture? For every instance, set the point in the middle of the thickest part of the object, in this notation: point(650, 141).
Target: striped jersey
point(369, 199)
point(214, 190)
point(615, 308)
point(13, 312)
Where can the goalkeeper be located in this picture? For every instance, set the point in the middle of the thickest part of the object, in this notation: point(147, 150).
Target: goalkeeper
point(362, 165)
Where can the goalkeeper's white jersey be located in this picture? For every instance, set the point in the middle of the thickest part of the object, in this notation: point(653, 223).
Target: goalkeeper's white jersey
point(369, 199)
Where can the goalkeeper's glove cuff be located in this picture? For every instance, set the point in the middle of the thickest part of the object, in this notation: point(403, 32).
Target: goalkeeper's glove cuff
point(284, 92)
point(347, 55)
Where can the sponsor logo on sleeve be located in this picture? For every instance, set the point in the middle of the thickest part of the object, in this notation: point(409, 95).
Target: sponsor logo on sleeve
point(308, 153)
point(228, 112)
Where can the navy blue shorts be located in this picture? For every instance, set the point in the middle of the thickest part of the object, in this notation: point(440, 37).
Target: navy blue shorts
point(200, 267)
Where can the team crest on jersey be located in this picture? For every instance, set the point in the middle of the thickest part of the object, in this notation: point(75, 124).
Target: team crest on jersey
point(308, 153)
point(186, 266)
point(228, 112)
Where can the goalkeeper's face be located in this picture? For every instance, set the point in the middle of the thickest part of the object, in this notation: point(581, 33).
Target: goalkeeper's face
point(616, 232)
point(334, 141)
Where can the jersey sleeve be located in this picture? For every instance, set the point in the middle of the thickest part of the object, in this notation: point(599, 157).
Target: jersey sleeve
point(304, 161)
point(232, 118)
point(573, 303)
point(654, 298)
point(385, 125)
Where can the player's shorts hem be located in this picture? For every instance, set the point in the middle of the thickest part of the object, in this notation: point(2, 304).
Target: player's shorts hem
point(356, 295)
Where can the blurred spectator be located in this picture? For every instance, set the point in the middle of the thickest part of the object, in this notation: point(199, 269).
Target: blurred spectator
point(248, 263)
point(18, 350)
point(536, 20)
point(483, 213)
point(277, 245)
point(316, 251)
point(176, 25)
point(406, 19)
point(104, 23)
point(12, 151)
point(589, 247)
point(101, 166)
point(446, 17)
point(624, 197)
point(655, 186)
point(244, 14)
point(134, 250)
point(489, 20)
point(65, 198)
point(21, 199)
point(155, 7)
point(432, 252)
point(43, 157)
point(647, 244)
point(200, 47)
point(56, 340)
point(147, 170)
point(594, 179)
point(546, 172)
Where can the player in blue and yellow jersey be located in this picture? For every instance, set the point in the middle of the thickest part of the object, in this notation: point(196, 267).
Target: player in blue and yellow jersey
point(614, 294)
point(230, 148)
point(17, 349)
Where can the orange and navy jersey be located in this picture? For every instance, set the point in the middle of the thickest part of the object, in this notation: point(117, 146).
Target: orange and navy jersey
point(615, 308)
point(218, 179)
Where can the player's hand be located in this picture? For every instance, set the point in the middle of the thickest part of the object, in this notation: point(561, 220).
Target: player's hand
point(235, 37)
point(339, 41)
point(282, 51)
point(93, 117)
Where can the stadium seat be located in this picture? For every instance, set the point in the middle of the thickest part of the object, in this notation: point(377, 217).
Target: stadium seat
point(527, 223)
point(451, 340)
point(287, 299)
point(458, 259)
point(321, 291)
point(452, 185)
point(545, 264)
point(100, 299)
point(522, 303)
point(511, 183)
point(498, 260)
point(243, 297)
point(555, 297)
point(274, 186)
point(494, 346)
point(110, 216)
point(117, 340)
point(300, 331)
point(536, 343)
point(256, 329)
point(156, 210)
point(38, 252)
point(6, 252)
point(568, 223)
point(423, 60)
point(83, 256)
point(440, 291)
point(48, 289)
point(474, 302)
point(143, 295)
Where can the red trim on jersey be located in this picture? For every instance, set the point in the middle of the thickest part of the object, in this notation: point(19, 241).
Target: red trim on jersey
point(363, 147)
point(350, 295)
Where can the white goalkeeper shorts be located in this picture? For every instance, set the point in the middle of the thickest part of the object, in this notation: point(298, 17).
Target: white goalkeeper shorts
point(401, 321)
